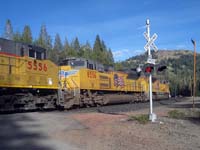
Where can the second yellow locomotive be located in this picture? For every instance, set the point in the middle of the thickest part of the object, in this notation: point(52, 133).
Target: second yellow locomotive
point(86, 83)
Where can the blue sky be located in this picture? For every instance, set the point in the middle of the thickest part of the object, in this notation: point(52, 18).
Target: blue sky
point(120, 23)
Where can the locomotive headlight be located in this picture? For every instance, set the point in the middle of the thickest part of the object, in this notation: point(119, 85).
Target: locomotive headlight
point(138, 69)
point(50, 82)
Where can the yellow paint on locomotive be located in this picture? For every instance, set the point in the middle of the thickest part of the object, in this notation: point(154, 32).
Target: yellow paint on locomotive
point(159, 87)
point(94, 80)
point(70, 79)
point(111, 81)
point(26, 72)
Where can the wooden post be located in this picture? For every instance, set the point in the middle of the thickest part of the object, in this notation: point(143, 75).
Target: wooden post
point(194, 71)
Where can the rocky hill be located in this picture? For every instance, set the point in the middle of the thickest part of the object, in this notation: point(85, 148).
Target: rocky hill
point(179, 69)
point(161, 55)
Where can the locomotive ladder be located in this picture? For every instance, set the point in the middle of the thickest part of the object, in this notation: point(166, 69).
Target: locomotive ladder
point(75, 87)
point(60, 96)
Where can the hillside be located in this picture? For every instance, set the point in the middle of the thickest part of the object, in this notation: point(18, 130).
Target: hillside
point(179, 72)
point(172, 54)
point(161, 55)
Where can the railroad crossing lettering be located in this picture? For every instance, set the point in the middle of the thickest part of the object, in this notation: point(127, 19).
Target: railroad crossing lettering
point(151, 61)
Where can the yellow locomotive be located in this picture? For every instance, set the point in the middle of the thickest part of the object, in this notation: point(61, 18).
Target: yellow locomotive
point(29, 81)
point(86, 83)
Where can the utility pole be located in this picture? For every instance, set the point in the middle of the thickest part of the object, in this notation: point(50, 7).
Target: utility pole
point(194, 71)
point(147, 47)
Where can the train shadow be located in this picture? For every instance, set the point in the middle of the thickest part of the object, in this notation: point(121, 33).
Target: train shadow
point(26, 111)
point(15, 136)
point(194, 120)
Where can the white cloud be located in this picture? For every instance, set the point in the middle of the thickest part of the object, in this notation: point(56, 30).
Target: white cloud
point(141, 27)
point(180, 46)
point(123, 54)
point(120, 52)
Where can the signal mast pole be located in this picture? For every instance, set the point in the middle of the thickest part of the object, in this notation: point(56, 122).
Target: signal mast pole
point(152, 116)
point(194, 71)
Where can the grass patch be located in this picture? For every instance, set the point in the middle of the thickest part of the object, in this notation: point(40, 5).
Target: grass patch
point(193, 113)
point(176, 114)
point(142, 119)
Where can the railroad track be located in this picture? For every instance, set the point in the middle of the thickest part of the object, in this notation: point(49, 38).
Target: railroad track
point(109, 109)
point(120, 108)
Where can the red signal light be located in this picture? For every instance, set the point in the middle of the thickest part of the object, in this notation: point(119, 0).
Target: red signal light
point(148, 69)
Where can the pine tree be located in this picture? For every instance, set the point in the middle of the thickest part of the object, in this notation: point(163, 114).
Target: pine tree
point(87, 51)
point(56, 52)
point(103, 46)
point(57, 43)
point(97, 50)
point(66, 48)
point(27, 35)
point(118, 66)
point(49, 48)
point(105, 54)
point(75, 48)
point(43, 37)
point(71, 53)
point(8, 34)
point(66, 44)
point(17, 37)
point(53, 56)
point(49, 43)
point(76, 45)
point(110, 57)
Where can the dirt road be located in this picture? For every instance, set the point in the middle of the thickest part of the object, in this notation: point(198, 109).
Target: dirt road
point(92, 130)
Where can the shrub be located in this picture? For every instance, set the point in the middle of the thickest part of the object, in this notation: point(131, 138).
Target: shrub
point(176, 114)
point(142, 119)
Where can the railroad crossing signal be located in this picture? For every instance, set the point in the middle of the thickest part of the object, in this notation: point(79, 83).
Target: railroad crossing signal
point(150, 42)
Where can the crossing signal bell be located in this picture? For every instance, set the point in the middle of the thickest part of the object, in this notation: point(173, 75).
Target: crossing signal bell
point(161, 68)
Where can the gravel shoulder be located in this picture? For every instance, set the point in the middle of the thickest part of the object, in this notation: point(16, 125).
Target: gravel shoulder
point(105, 128)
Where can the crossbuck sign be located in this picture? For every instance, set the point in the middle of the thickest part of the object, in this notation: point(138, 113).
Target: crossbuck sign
point(150, 42)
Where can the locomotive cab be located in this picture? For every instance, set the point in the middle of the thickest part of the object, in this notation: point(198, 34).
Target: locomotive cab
point(78, 63)
point(10, 47)
point(36, 52)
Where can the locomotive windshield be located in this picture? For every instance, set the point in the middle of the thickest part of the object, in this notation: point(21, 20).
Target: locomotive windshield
point(74, 63)
point(77, 63)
